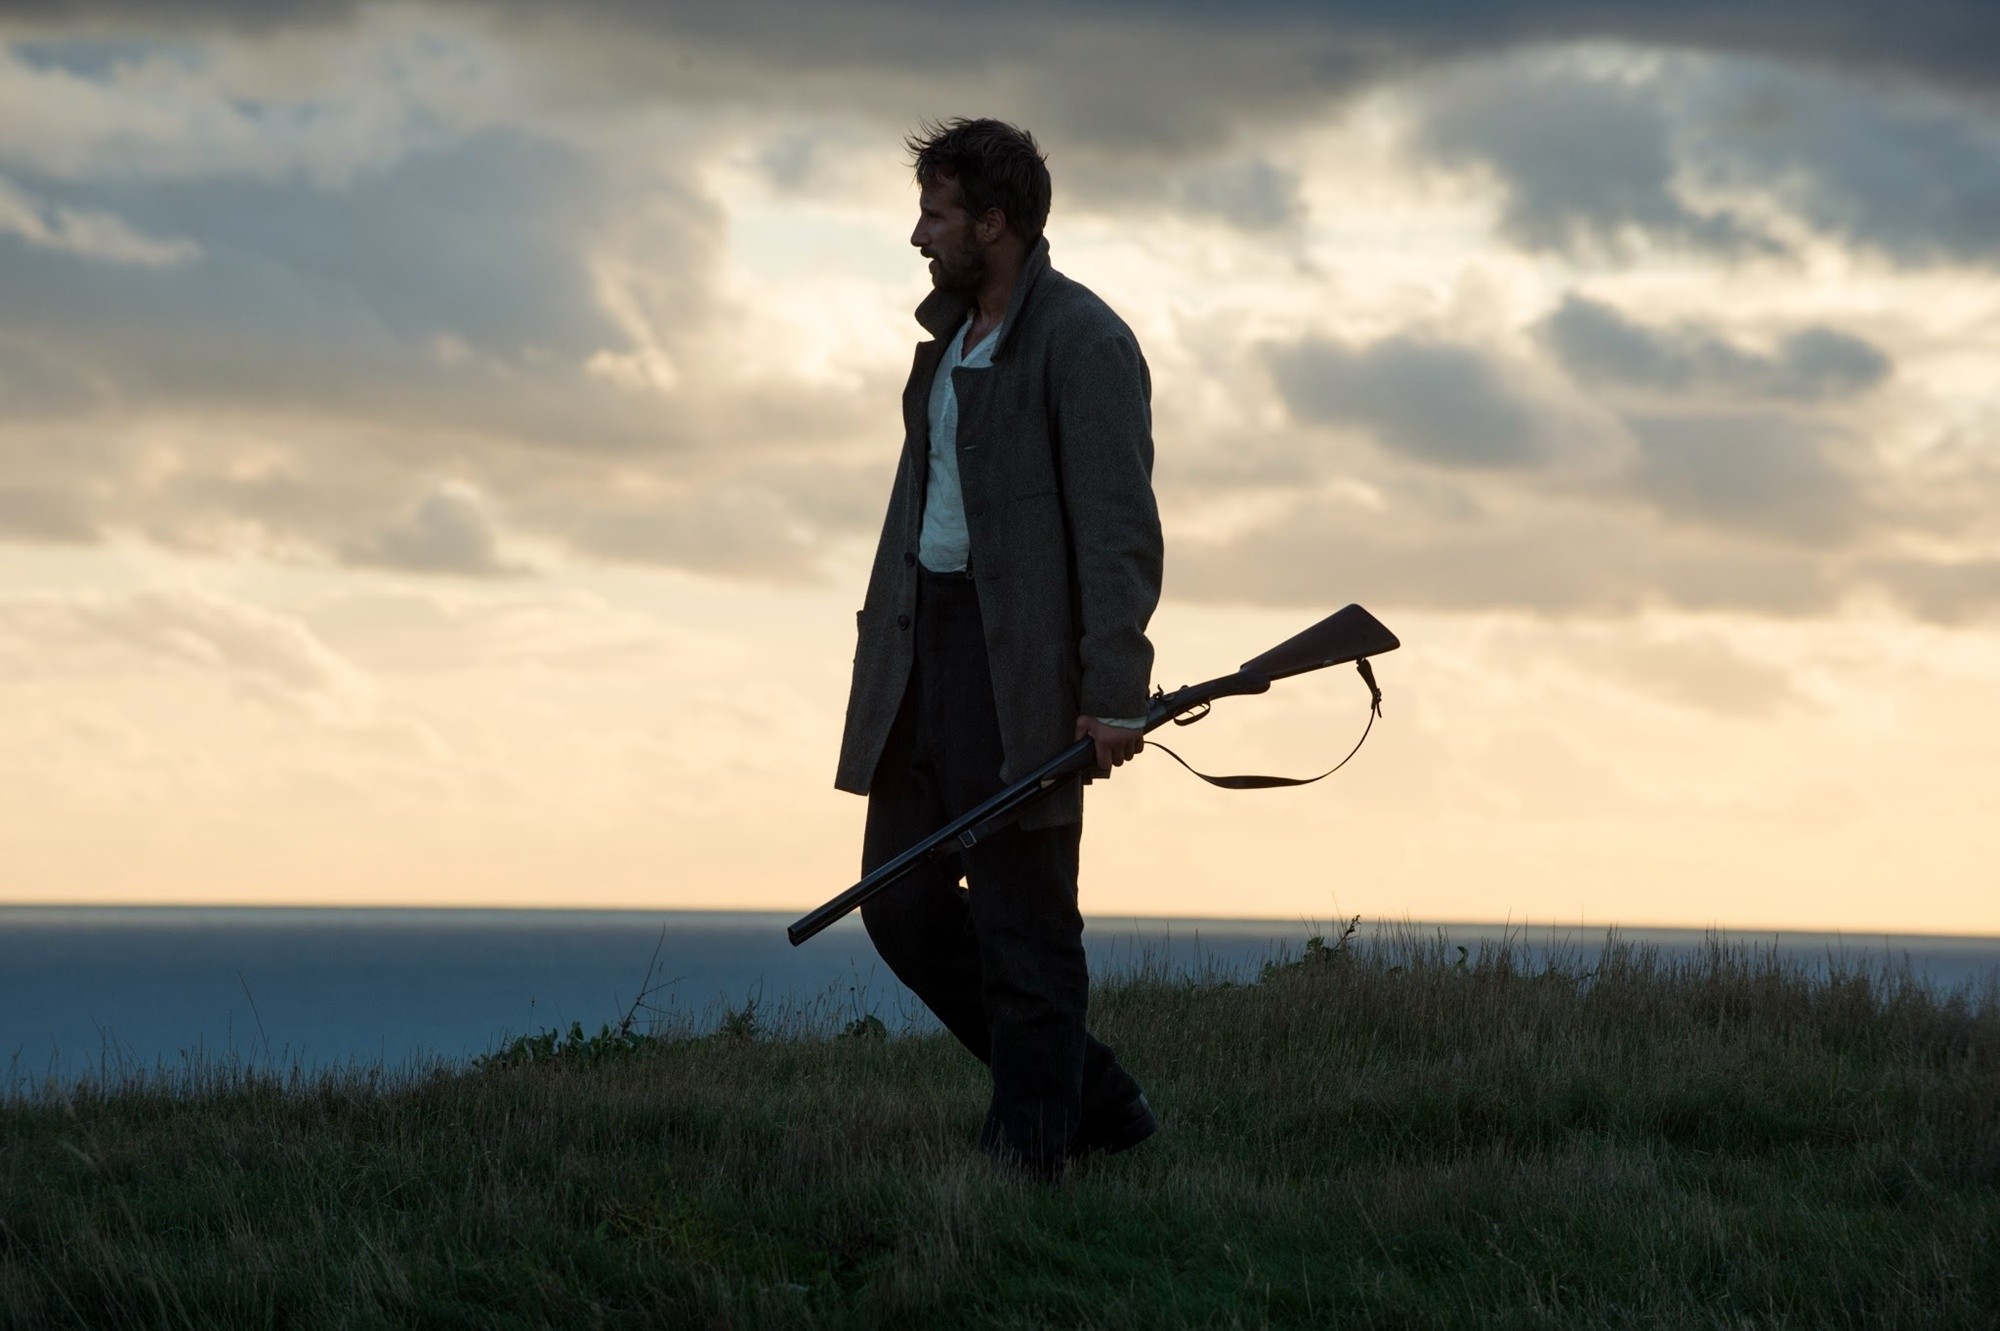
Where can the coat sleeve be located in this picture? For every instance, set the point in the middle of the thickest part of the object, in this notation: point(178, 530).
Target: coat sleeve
point(1104, 447)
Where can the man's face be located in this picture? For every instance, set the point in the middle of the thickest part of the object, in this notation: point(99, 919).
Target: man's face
point(946, 236)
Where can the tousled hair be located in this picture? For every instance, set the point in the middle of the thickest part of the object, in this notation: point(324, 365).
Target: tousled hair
point(996, 165)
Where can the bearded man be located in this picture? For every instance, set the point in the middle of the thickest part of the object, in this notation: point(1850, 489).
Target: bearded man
point(1005, 618)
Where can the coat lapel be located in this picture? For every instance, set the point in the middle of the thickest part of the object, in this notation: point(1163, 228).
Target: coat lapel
point(941, 312)
point(1032, 269)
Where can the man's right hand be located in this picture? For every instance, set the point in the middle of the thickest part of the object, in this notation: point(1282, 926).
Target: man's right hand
point(1115, 744)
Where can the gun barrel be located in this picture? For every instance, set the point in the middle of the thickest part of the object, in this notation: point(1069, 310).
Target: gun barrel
point(968, 829)
point(1348, 634)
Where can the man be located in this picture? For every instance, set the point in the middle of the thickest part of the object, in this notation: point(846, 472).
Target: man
point(1005, 618)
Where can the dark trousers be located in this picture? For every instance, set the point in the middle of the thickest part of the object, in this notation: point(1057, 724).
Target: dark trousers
point(1000, 960)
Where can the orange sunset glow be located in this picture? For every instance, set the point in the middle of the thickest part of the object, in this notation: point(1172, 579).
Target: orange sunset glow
point(441, 448)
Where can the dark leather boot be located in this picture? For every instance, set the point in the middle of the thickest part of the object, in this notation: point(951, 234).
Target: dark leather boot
point(1116, 1116)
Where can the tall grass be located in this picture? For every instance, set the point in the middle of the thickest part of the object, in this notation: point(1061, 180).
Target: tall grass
point(1382, 1132)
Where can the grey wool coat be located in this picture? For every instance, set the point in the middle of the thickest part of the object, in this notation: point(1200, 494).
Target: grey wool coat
point(1055, 462)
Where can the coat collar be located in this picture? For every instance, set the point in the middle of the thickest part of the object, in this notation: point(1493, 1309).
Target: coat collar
point(942, 312)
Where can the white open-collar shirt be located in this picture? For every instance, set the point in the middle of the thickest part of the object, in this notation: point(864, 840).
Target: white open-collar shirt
point(944, 546)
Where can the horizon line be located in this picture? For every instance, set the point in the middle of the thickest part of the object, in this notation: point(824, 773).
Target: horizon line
point(788, 913)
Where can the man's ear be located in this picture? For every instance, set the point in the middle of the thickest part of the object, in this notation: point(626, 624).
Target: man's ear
point(992, 225)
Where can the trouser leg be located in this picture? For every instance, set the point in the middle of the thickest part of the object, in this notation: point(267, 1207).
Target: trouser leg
point(1001, 963)
point(1035, 985)
point(921, 925)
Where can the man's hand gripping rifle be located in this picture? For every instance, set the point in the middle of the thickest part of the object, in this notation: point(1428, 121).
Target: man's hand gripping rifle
point(1351, 634)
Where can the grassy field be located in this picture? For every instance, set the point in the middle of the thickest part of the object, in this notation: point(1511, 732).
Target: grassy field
point(1383, 1134)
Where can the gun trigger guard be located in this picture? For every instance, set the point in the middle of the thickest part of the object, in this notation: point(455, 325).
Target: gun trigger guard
point(1189, 718)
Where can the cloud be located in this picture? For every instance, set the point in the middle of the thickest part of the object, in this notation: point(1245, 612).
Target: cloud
point(1551, 556)
point(86, 234)
point(730, 528)
point(1698, 670)
point(450, 532)
point(790, 162)
point(441, 316)
point(180, 15)
point(1605, 157)
point(1945, 591)
point(328, 109)
point(1905, 172)
point(1157, 78)
point(1769, 476)
point(1251, 195)
point(1598, 344)
point(1712, 511)
point(405, 275)
point(1587, 165)
point(1438, 402)
point(42, 514)
point(462, 303)
point(272, 658)
point(310, 299)
point(1245, 191)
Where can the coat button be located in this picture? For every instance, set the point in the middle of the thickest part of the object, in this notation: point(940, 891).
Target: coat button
point(908, 558)
point(902, 621)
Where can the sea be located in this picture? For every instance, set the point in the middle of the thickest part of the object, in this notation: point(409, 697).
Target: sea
point(115, 994)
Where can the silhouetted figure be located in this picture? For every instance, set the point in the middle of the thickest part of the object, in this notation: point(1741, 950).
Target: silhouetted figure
point(1005, 618)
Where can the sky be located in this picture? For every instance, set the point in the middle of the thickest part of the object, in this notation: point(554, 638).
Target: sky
point(442, 446)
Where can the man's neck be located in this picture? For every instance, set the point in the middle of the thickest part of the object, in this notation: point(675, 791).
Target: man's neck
point(996, 291)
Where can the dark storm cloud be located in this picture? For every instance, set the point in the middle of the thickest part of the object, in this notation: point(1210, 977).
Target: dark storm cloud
point(1157, 105)
point(1162, 111)
point(1587, 165)
point(252, 15)
point(476, 242)
point(1911, 176)
point(450, 295)
point(1437, 402)
point(1599, 164)
point(1597, 344)
point(1095, 78)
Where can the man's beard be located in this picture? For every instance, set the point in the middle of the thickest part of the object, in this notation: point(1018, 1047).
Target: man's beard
point(963, 278)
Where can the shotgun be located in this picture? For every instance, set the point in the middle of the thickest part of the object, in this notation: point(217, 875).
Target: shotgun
point(1350, 634)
